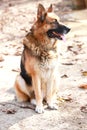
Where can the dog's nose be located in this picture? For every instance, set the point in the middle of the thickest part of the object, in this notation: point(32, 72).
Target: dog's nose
point(66, 30)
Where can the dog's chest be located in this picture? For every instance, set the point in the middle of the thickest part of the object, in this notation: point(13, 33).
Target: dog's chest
point(48, 59)
point(48, 68)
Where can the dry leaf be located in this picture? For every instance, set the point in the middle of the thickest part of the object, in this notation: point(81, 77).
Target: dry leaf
point(68, 99)
point(79, 46)
point(69, 48)
point(18, 53)
point(16, 70)
point(84, 73)
point(64, 76)
point(60, 99)
point(67, 63)
point(84, 86)
point(1, 58)
point(84, 109)
point(9, 111)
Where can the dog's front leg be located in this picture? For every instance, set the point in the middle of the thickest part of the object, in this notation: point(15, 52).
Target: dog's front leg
point(38, 94)
point(52, 94)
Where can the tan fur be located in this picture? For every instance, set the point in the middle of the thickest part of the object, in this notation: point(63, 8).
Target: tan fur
point(41, 63)
point(21, 96)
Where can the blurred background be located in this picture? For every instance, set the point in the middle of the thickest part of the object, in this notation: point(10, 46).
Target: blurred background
point(16, 19)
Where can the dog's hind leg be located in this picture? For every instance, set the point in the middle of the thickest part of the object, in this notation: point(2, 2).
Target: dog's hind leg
point(21, 89)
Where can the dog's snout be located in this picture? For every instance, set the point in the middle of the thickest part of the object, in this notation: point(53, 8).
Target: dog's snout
point(62, 29)
point(66, 30)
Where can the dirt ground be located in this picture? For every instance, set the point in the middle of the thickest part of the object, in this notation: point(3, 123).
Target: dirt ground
point(16, 18)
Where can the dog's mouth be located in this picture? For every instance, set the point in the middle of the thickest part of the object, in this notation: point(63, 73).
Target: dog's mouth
point(58, 33)
point(54, 34)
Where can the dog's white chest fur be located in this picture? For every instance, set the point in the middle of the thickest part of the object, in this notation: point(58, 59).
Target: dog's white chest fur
point(49, 69)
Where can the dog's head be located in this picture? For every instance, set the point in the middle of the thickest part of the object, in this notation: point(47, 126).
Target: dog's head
point(47, 24)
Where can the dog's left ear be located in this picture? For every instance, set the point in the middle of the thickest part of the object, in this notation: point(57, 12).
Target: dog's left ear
point(41, 13)
point(50, 9)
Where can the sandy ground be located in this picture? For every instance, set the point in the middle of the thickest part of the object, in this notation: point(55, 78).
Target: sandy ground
point(16, 18)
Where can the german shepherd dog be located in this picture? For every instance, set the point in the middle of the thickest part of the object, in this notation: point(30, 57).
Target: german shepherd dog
point(38, 79)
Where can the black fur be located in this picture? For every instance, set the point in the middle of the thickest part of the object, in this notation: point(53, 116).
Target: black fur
point(25, 76)
point(61, 29)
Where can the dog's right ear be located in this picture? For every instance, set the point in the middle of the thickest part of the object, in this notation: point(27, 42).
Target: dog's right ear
point(50, 9)
point(41, 13)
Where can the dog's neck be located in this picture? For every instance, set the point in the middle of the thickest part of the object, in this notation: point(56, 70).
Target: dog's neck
point(44, 40)
point(37, 47)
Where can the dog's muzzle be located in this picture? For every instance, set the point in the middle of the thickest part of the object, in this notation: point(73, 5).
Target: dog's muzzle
point(59, 32)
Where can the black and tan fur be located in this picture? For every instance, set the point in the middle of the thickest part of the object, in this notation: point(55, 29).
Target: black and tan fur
point(39, 62)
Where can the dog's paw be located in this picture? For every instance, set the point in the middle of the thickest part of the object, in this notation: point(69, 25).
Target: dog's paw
point(53, 106)
point(39, 109)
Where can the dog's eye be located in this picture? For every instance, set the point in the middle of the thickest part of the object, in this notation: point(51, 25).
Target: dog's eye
point(55, 20)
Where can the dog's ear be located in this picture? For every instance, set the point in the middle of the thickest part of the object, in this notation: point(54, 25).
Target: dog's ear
point(41, 13)
point(50, 9)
